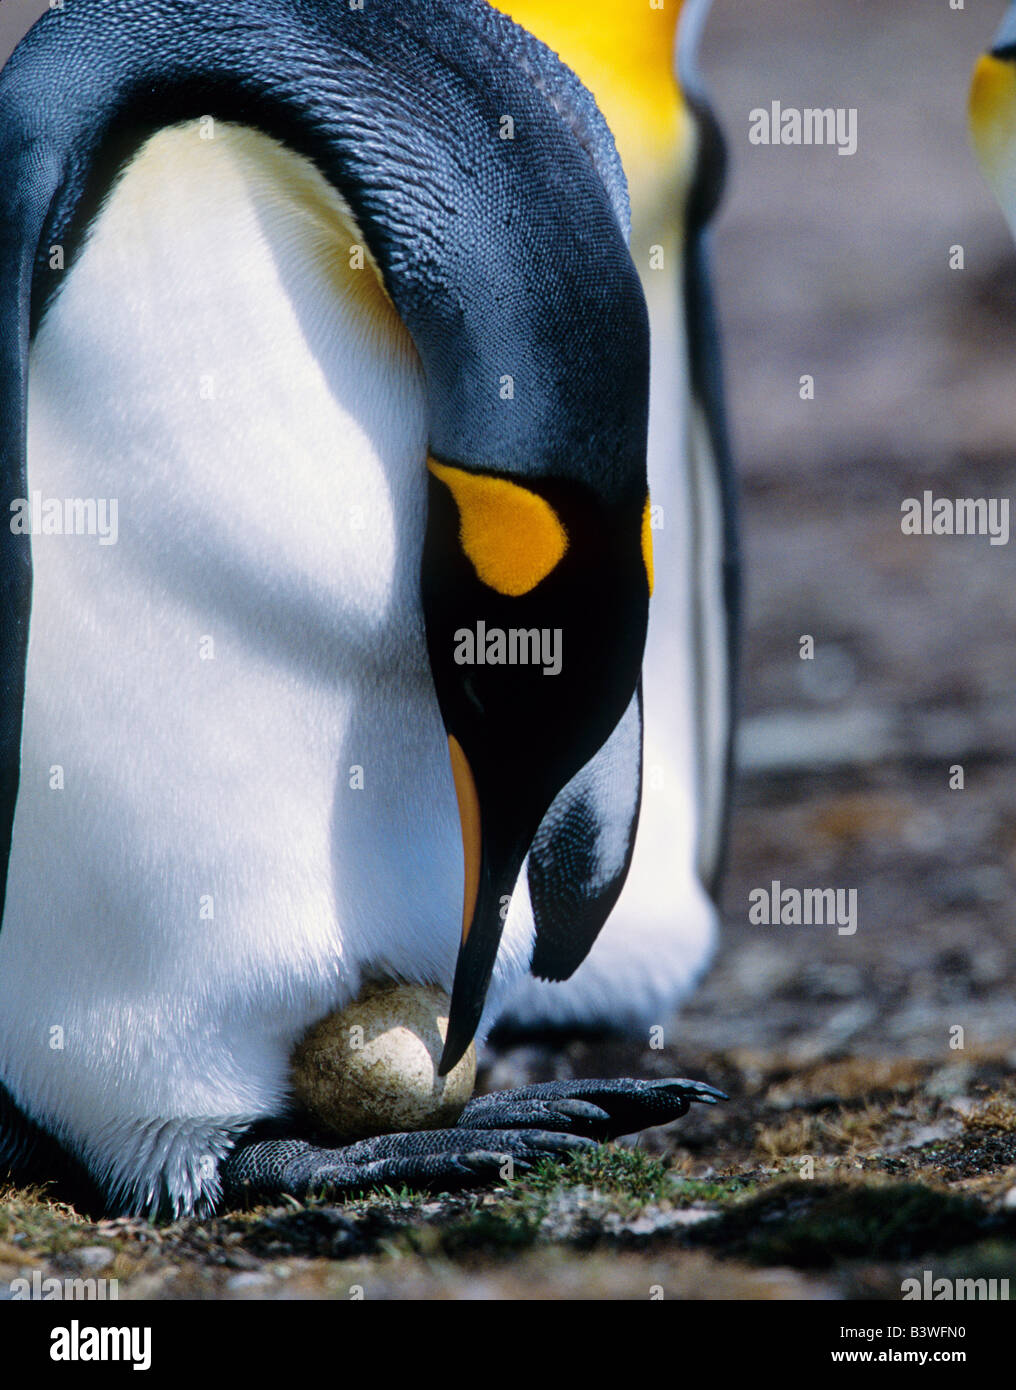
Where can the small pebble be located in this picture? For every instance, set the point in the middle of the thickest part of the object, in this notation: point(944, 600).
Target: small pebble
point(248, 1281)
point(95, 1256)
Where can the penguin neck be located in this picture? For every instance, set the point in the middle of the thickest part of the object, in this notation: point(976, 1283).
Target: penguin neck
point(625, 56)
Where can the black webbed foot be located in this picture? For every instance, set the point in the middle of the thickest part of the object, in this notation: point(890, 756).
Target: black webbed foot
point(597, 1109)
point(496, 1136)
point(438, 1159)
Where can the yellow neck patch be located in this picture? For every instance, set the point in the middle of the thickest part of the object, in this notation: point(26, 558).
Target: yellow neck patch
point(647, 543)
point(992, 110)
point(512, 537)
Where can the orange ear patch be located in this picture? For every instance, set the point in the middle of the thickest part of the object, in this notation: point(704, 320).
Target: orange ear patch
point(512, 536)
point(647, 542)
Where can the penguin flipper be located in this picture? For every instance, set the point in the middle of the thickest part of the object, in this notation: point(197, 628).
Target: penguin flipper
point(551, 1120)
point(716, 622)
point(580, 857)
point(35, 188)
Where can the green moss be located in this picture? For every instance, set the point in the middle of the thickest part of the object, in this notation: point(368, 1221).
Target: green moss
point(816, 1225)
point(30, 1223)
point(713, 1191)
point(623, 1173)
point(628, 1180)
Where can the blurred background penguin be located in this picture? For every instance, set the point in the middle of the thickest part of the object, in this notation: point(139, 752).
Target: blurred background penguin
point(992, 114)
point(640, 62)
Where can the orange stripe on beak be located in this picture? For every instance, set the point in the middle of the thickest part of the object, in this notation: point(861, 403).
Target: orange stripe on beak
point(469, 819)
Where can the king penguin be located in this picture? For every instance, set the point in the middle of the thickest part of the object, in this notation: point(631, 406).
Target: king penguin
point(641, 64)
point(992, 115)
point(321, 348)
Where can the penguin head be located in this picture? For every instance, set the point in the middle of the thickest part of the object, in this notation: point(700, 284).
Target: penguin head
point(535, 597)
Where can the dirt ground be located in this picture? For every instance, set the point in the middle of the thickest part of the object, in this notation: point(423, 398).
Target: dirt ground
point(835, 1049)
point(844, 274)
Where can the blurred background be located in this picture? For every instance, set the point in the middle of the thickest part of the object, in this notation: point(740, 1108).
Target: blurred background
point(839, 267)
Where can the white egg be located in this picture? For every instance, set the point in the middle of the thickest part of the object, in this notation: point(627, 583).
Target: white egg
point(371, 1068)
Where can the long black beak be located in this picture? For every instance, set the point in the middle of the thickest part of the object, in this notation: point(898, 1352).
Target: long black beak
point(475, 964)
point(491, 867)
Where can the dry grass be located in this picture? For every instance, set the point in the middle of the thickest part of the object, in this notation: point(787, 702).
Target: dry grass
point(997, 1113)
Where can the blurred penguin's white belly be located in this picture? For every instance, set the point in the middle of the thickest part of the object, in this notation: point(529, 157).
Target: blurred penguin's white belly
point(235, 792)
